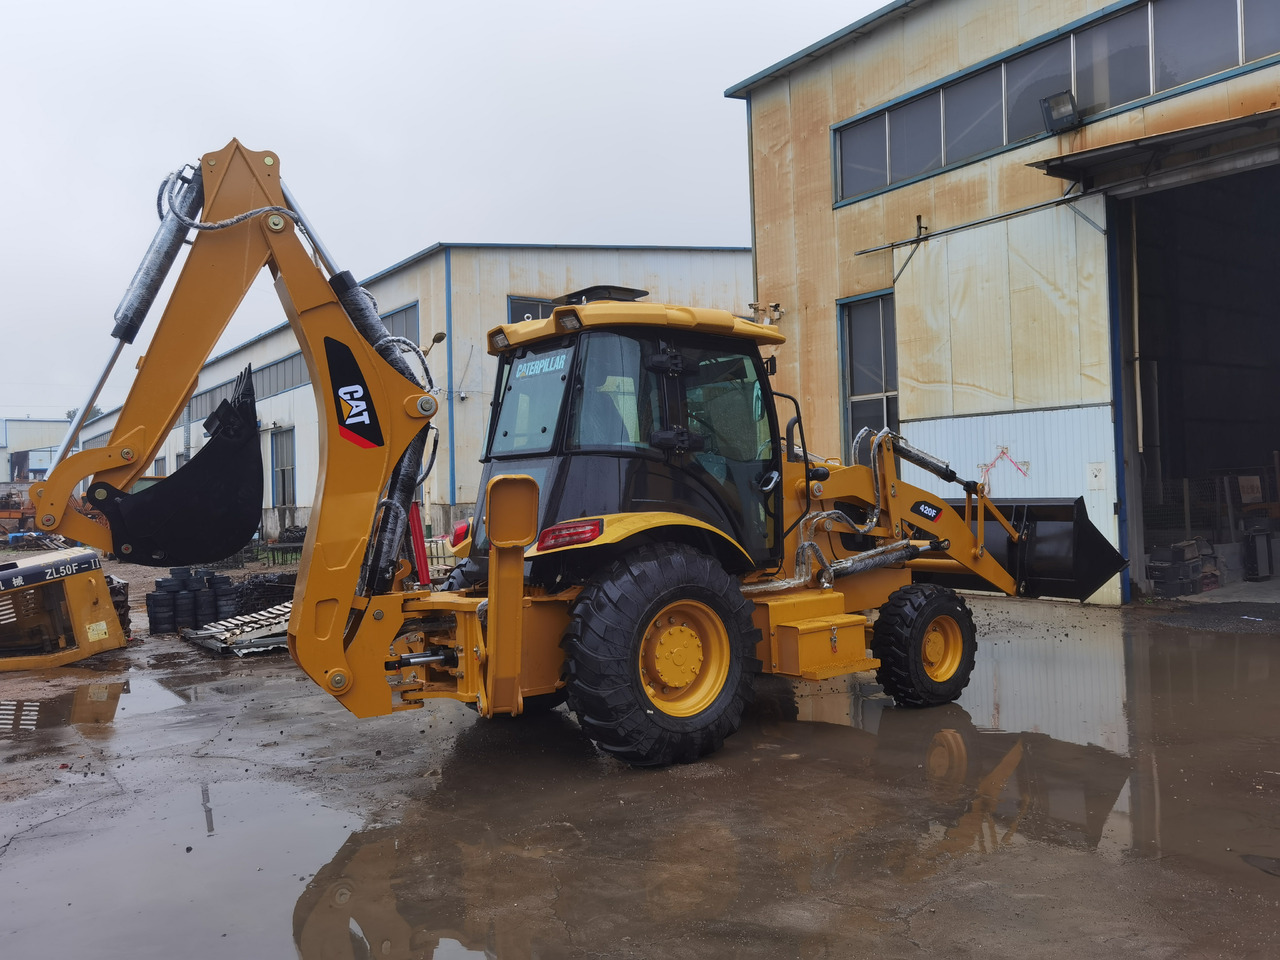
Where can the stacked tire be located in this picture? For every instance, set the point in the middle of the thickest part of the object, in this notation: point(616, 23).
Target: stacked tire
point(190, 598)
point(160, 612)
point(226, 597)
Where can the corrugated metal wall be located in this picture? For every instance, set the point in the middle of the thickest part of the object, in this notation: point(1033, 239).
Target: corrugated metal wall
point(1040, 454)
point(1005, 316)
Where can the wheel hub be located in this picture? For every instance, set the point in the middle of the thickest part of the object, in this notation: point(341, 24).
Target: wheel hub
point(684, 658)
point(677, 656)
point(942, 648)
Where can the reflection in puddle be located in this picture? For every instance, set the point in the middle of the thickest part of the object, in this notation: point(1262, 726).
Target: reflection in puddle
point(90, 703)
point(1134, 742)
point(159, 882)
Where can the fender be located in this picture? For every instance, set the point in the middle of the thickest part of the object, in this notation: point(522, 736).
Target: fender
point(622, 526)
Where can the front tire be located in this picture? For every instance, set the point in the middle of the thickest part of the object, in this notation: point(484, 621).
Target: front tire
point(925, 641)
point(661, 656)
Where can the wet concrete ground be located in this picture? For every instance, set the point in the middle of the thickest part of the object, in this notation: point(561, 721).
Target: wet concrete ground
point(1108, 785)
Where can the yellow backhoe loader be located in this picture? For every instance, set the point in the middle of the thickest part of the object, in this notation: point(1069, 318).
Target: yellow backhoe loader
point(648, 536)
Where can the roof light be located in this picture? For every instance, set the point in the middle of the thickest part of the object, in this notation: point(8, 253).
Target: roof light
point(460, 532)
point(498, 340)
point(570, 532)
point(570, 320)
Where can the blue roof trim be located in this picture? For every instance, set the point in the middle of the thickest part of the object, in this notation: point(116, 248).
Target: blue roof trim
point(436, 247)
point(858, 28)
point(248, 343)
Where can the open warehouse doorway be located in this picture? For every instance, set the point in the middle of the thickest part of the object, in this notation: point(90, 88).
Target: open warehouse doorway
point(1199, 318)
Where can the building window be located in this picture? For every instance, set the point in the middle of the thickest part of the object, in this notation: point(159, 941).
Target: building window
point(1113, 62)
point(268, 381)
point(871, 364)
point(915, 138)
point(403, 322)
point(1028, 79)
point(864, 157)
point(1194, 38)
point(973, 115)
point(159, 467)
point(1146, 49)
point(528, 308)
point(1261, 28)
point(179, 459)
point(283, 493)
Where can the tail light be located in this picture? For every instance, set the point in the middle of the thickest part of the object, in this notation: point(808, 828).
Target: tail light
point(570, 532)
point(460, 533)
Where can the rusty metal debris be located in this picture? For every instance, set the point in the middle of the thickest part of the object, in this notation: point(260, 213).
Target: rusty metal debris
point(250, 633)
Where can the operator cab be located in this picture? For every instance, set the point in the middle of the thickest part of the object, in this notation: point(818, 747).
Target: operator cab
point(641, 418)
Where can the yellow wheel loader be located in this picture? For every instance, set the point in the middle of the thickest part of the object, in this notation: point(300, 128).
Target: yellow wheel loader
point(649, 534)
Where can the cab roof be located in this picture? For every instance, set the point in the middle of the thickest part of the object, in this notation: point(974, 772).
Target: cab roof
point(613, 313)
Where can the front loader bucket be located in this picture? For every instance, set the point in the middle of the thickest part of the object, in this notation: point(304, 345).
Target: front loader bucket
point(203, 512)
point(1059, 553)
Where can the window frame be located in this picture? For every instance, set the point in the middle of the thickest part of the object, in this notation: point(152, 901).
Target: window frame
point(1000, 61)
point(844, 319)
point(281, 473)
point(542, 302)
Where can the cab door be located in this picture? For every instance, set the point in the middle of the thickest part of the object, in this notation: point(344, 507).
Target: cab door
point(718, 401)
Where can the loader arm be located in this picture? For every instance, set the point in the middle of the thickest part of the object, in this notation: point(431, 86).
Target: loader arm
point(373, 416)
point(1031, 549)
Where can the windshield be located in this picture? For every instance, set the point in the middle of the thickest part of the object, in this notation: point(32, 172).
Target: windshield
point(529, 399)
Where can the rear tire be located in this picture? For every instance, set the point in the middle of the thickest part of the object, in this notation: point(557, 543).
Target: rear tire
point(924, 639)
point(661, 656)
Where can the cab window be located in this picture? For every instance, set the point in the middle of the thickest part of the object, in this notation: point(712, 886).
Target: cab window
point(616, 400)
point(530, 395)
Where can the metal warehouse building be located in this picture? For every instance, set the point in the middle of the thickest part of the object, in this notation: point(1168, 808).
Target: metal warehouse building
point(461, 290)
point(1039, 237)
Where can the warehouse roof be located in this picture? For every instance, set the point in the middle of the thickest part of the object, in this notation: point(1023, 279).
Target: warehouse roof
point(861, 28)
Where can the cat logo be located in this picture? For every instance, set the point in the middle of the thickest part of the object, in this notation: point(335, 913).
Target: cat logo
point(357, 418)
point(354, 410)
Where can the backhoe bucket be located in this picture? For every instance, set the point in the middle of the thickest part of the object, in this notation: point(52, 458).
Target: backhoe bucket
point(205, 511)
point(1059, 553)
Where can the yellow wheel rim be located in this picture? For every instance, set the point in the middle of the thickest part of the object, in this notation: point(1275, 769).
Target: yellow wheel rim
point(947, 759)
point(942, 648)
point(684, 658)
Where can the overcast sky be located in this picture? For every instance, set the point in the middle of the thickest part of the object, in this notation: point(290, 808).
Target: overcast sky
point(398, 124)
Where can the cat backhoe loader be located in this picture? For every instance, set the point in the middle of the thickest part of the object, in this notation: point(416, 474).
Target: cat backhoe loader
point(648, 536)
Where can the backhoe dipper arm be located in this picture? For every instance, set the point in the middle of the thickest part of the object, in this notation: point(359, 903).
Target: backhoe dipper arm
point(373, 414)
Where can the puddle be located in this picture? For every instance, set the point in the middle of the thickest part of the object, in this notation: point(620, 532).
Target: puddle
point(210, 871)
point(89, 703)
point(1103, 773)
point(1101, 731)
point(1086, 772)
